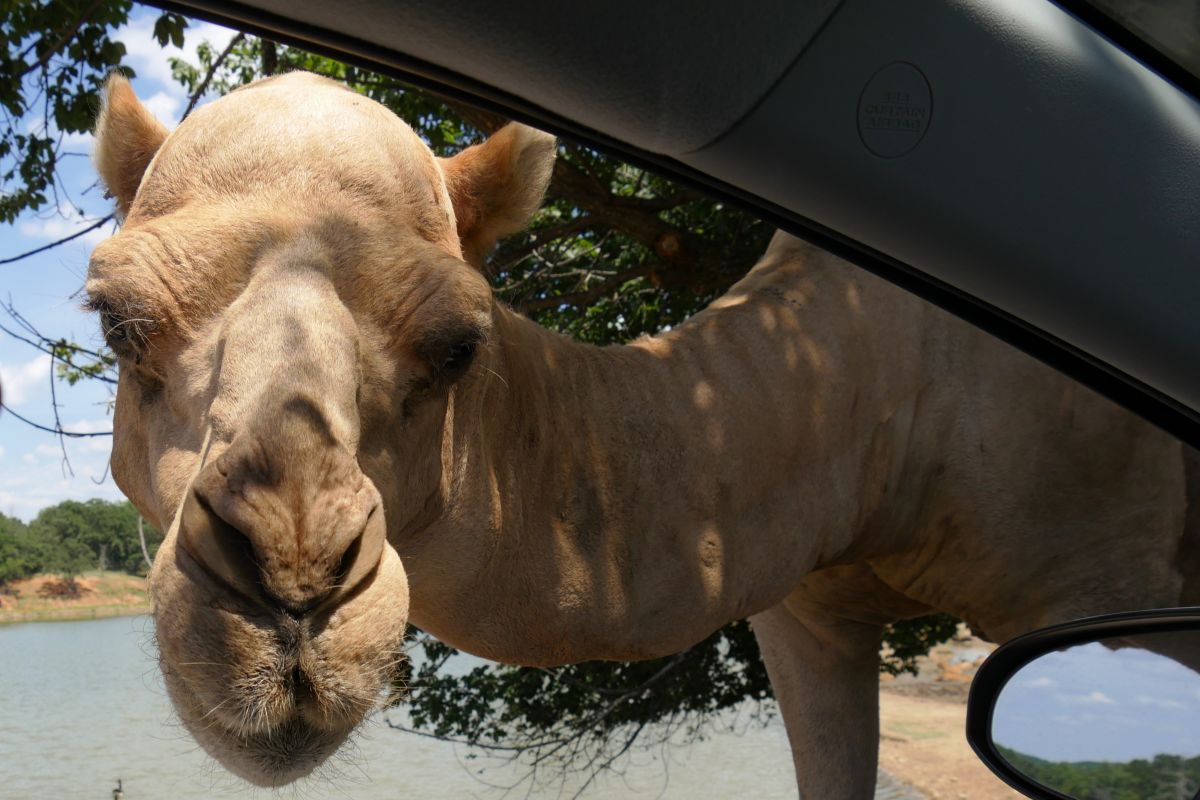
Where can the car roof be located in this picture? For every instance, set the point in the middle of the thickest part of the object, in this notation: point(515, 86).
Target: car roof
point(1004, 159)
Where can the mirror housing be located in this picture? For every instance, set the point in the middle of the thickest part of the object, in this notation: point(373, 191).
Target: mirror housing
point(1100, 719)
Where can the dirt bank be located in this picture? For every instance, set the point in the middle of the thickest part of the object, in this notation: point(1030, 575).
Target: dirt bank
point(923, 726)
point(106, 594)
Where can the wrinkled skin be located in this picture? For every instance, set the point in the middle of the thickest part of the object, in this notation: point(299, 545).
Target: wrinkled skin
point(269, 298)
point(316, 387)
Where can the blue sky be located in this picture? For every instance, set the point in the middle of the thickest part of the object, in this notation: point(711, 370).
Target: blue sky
point(1090, 703)
point(45, 289)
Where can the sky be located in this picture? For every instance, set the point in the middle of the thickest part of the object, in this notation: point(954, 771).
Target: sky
point(1093, 703)
point(45, 289)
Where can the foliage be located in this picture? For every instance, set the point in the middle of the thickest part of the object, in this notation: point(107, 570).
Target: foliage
point(910, 639)
point(54, 56)
point(1163, 777)
point(616, 252)
point(15, 549)
point(71, 537)
point(584, 717)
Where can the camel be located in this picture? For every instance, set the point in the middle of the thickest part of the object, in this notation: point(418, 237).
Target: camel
point(342, 430)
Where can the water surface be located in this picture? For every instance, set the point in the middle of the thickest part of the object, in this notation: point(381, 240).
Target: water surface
point(82, 704)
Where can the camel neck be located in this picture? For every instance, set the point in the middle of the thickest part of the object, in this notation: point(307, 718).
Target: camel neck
point(639, 483)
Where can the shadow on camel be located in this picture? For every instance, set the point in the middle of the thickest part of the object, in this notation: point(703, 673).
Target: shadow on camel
point(342, 430)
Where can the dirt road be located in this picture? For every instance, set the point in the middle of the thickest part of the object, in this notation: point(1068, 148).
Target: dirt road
point(923, 722)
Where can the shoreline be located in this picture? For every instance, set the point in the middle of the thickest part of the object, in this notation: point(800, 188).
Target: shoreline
point(104, 595)
point(73, 614)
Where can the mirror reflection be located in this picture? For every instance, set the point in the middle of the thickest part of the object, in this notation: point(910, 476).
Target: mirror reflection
point(1116, 719)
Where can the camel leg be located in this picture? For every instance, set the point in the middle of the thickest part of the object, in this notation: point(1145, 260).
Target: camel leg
point(825, 673)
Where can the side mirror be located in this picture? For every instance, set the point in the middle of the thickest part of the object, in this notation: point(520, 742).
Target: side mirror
point(1106, 708)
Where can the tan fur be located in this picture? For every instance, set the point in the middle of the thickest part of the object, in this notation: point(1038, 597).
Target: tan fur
point(817, 448)
point(127, 137)
point(496, 186)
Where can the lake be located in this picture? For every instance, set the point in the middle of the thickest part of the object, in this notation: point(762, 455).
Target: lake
point(82, 704)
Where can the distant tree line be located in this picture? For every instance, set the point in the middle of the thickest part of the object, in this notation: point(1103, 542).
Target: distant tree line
point(1163, 777)
point(71, 537)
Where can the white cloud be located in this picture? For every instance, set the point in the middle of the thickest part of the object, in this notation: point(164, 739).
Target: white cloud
point(101, 425)
point(1040, 683)
point(152, 61)
point(2, 452)
point(41, 454)
point(63, 224)
point(1173, 705)
point(28, 488)
point(163, 106)
point(77, 141)
point(23, 381)
point(51, 451)
point(1092, 699)
point(92, 444)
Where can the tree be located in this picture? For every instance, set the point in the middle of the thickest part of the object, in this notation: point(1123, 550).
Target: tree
point(54, 59)
point(59, 534)
point(72, 537)
point(95, 534)
point(615, 253)
point(14, 549)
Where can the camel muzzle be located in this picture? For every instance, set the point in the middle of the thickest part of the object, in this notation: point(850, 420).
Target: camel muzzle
point(289, 527)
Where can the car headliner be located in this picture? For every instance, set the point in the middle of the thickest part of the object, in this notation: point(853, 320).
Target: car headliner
point(1050, 195)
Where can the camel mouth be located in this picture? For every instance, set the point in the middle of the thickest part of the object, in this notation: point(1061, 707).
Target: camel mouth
point(267, 694)
point(278, 722)
point(274, 758)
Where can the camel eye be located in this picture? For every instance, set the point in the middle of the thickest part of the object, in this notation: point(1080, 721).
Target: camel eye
point(112, 328)
point(458, 359)
point(124, 335)
point(450, 356)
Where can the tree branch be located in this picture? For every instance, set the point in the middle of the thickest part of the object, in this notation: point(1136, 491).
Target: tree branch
point(62, 440)
point(679, 198)
point(65, 34)
point(208, 76)
point(47, 429)
point(484, 121)
point(586, 296)
point(142, 538)
point(511, 255)
point(48, 346)
point(270, 57)
point(52, 245)
point(572, 226)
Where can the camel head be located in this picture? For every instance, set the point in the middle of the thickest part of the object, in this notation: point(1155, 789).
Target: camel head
point(294, 301)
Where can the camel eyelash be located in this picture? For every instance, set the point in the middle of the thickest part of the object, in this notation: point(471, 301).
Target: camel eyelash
point(126, 329)
point(449, 354)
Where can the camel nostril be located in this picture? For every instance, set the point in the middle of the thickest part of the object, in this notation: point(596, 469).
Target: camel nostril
point(290, 558)
point(348, 560)
point(225, 552)
point(363, 553)
point(237, 542)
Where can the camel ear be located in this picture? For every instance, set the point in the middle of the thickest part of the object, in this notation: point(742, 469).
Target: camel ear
point(496, 186)
point(127, 137)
